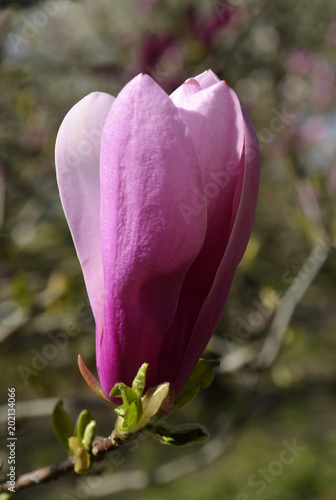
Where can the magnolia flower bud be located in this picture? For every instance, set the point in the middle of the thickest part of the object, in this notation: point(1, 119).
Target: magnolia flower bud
point(160, 193)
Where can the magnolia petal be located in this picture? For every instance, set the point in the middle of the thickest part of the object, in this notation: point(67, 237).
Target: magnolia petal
point(149, 168)
point(214, 118)
point(215, 121)
point(77, 154)
point(207, 78)
point(189, 87)
point(244, 205)
point(245, 201)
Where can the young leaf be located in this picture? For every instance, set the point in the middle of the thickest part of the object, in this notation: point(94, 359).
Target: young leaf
point(83, 420)
point(202, 376)
point(91, 381)
point(178, 435)
point(140, 380)
point(131, 409)
point(152, 401)
point(89, 435)
point(81, 456)
point(62, 424)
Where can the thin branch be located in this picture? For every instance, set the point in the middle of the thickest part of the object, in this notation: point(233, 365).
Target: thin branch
point(41, 476)
point(136, 479)
point(51, 472)
point(291, 299)
point(264, 357)
point(171, 471)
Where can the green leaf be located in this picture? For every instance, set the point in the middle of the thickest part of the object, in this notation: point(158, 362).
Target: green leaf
point(120, 390)
point(178, 435)
point(62, 424)
point(140, 380)
point(202, 376)
point(6, 496)
point(82, 422)
point(131, 409)
point(81, 456)
point(136, 411)
point(89, 435)
point(152, 401)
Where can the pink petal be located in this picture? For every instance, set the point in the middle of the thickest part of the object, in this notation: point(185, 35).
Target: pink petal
point(215, 120)
point(207, 78)
point(243, 210)
point(189, 87)
point(77, 166)
point(149, 169)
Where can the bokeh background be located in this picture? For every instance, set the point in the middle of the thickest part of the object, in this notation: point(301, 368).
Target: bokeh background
point(271, 409)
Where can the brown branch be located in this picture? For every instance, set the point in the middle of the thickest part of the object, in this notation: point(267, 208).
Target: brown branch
point(41, 476)
point(51, 472)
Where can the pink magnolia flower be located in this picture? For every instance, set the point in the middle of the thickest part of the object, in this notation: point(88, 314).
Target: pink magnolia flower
point(159, 192)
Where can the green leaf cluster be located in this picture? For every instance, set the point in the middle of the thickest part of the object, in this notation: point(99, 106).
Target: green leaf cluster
point(137, 409)
point(140, 412)
point(76, 438)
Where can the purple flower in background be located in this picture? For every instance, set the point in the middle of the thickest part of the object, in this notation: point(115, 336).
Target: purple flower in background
point(159, 192)
point(206, 29)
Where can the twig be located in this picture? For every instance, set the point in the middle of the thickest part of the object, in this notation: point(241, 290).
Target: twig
point(288, 305)
point(164, 474)
point(41, 476)
point(133, 479)
point(51, 472)
point(249, 355)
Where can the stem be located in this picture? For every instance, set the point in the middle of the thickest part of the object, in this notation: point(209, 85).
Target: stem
point(51, 472)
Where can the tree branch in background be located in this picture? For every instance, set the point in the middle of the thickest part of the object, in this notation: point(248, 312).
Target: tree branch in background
point(285, 311)
point(264, 358)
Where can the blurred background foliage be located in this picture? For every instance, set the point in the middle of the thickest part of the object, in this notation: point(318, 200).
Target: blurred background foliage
point(280, 58)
